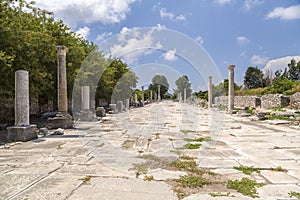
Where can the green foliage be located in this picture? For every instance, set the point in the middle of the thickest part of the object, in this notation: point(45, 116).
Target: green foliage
point(222, 88)
point(278, 169)
point(201, 139)
point(282, 85)
point(28, 39)
point(294, 70)
point(247, 170)
point(191, 146)
point(202, 94)
point(294, 194)
point(183, 83)
point(162, 81)
point(192, 181)
point(254, 78)
point(220, 194)
point(245, 186)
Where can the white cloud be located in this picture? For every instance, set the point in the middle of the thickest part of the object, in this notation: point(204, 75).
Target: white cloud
point(248, 4)
point(278, 64)
point(199, 39)
point(132, 43)
point(73, 12)
point(223, 1)
point(83, 32)
point(242, 40)
point(161, 27)
point(170, 55)
point(289, 13)
point(165, 14)
point(258, 60)
point(103, 36)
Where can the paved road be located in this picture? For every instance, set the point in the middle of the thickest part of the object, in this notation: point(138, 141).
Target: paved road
point(96, 160)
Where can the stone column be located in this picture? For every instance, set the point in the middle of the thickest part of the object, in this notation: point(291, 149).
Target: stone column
point(184, 95)
point(85, 97)
point(158, 93)
point(62, 97)
point(180, 97)
point(22, 131)
point(127, 104)
point(62, 118)
point(135, 98)
point(151, 96)
point(21, 98)
point(210, 97)
point(231, 88)
point(143, 97)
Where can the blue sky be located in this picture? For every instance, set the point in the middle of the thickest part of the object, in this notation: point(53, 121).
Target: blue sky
point(263, 33)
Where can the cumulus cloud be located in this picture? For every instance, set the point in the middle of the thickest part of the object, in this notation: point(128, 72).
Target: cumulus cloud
point(289, 13)
point(248, 4)
point(166, 14)
point(103, 36)
point(170, 55)
point(258, 60)
point(73, 12)
point(199, 39)
point(83, 32)
point(133, 43)
point(223, 1)
point(242, 40)
point(278, 64)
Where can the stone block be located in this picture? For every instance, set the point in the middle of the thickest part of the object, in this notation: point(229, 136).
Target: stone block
point(21, 133)
point(61, 120)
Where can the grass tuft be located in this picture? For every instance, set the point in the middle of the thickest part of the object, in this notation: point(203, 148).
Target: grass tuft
point(245, 186)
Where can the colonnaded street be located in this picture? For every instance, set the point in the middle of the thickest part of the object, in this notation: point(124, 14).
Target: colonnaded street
point(165, 150)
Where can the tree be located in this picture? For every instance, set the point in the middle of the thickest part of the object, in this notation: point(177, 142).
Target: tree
point(294, 70)
point(183, 83)
point(254, 78)
point(117, 82)
point(162, 81)
point(28, 39)
point(222, 88)
point(202, 94)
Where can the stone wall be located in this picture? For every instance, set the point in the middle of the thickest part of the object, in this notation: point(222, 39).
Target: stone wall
point(239, 101)
point(274, 101)
point(295, 101)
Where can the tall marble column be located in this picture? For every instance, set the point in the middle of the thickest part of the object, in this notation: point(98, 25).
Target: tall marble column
point(158, 93)
point(231, 88)
point(184, 95)
point(151, 95)
point(85, 96)
point(210, 97)
point(22, 131)
point(143, 97)
point(62, 96)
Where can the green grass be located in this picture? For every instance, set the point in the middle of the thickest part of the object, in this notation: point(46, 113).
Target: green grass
point(191, 146)
point(148, 178)
point(245, 186)
point(220, 194)
point(187, 131)
point(85, 179)
point(247, 170)
point(202, 139)
point(59, 147)
point(294, 194)
point(192, 181)
point(278, 169)
point(140, 168)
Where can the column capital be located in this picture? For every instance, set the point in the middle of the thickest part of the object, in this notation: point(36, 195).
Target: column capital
point(209, 77)
point(61, 50)
point(231, 67)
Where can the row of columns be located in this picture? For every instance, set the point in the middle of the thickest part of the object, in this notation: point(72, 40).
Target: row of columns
point(230, 89)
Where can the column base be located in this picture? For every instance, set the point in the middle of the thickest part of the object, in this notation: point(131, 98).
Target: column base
point(21, 133)
point(86, 116)
point(61, 120)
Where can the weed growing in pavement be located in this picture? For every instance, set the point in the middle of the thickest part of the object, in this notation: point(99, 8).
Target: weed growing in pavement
point(247, 170)
point(294, 194)
point(245, 186)
point(85, 179)
point(220, 194)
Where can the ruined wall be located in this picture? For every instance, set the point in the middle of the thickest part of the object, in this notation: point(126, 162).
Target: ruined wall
point(295, 101)
point(239, 101)
point(274, 101)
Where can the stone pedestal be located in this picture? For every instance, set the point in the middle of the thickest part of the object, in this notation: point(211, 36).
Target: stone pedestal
point(127, 104)
point(22, 131)
point(210, 92)
point(120, 106)
point(113, 108)
point(61, 120)
point(85, 98)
